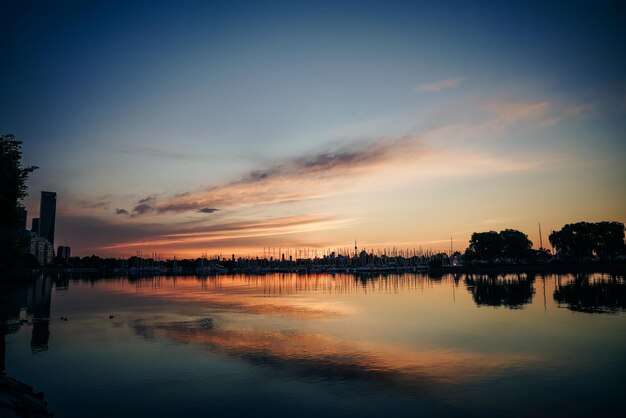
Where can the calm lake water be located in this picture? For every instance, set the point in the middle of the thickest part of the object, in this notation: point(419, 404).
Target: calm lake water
point(322, 345)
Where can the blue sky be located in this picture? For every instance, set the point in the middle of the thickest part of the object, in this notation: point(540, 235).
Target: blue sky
point(119, 102)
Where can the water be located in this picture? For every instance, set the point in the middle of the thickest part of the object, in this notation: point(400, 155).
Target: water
point(322, 345)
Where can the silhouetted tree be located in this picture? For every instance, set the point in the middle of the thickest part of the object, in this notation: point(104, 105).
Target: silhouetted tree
point(438, 260)
point(13, 189)
point(584, 240)
point(491, 246)
point(484, 246)
point(609, 239)
point(516, 245)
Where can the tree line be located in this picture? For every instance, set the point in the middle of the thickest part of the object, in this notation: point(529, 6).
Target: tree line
point(582, 241)
point(13, 190)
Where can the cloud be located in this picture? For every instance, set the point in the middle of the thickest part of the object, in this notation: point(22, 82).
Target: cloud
point(147, 199)
point(297, 178)
point(223, 234)
point(102, 203)
point(119, 211)
point(144, 205)
point(115, 238)
point(146, 151)
point(439, 85)
point(142, 208)
point(207, 210)
point(514, 111)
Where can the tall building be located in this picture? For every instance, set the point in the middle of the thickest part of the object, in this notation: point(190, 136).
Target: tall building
point(21, 215)
point(64, 252)
point(35, 227)
point(47, 215)
point(41, 249)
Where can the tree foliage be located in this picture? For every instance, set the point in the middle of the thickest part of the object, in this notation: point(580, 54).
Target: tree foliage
point(491, 246)
point(583, 240)
point(13, 189)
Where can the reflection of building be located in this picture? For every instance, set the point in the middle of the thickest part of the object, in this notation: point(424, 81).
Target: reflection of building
point(47, 215)
point(34, 298)
point(38, 305)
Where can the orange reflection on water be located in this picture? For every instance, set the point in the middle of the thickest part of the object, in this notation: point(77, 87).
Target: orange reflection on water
point(318, 354)
point(248, 294)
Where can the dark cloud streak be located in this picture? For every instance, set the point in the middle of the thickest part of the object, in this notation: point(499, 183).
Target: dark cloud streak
point(207, 210)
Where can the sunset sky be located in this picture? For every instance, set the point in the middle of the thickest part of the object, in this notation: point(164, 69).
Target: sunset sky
point(191, 126)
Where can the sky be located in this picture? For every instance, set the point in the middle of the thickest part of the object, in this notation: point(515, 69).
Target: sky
point(186, 127)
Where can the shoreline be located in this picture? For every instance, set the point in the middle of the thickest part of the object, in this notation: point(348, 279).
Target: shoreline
point(553, 268)
point(17, 400)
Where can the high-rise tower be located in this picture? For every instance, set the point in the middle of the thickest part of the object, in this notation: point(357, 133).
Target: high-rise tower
point(47, 215)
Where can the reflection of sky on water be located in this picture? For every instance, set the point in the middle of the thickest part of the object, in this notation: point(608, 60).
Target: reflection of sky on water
point(364, 344)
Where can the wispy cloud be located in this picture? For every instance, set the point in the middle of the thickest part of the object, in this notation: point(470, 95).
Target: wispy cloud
point(286, 180)
point(515, 111)
point(101, 203)
point(144, 205)
point(221, 233)
point(327, 172)
point(439, 85)
point(207, 210)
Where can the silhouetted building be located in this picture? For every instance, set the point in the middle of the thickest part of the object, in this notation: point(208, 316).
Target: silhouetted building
point(41, 248)
point(47, 215)
point(21, 216)
point(63, 252)
point(35, 226)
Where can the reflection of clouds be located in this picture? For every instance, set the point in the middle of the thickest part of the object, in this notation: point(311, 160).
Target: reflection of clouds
point(324, 357)
point(241, 296)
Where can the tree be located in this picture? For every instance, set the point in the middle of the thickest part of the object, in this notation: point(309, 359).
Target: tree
point(516, 244)
point(585, 240)
point(484, 246)
point(13, 189)
point(609, 239)
point(489, 246)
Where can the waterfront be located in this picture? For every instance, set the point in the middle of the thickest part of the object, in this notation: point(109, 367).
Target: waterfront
point(321, 344)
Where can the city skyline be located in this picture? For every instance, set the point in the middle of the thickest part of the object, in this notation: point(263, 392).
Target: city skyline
point(229, 128)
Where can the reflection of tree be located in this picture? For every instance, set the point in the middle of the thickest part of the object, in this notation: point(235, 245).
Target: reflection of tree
point(585, 294)
point(19, 399)
point(493, 290)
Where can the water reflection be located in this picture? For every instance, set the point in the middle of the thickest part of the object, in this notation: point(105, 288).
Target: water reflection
point(27, 305)
point(23, 305)
point(380, 337)
point(328, 358)
point(591, 293)
point(511, 291)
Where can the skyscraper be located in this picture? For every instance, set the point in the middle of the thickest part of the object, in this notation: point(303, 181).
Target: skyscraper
point(35, 227)
point(21, 215)
point(47, 214)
